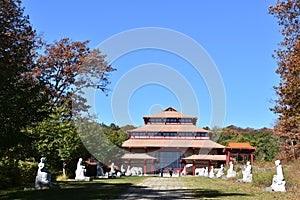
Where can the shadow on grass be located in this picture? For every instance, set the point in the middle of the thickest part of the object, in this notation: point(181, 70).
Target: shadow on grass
point(205, 193)
point(71, 191)
point(92, 190)
point(139, 192)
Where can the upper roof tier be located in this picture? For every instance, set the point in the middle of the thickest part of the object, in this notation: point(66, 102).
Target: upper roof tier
point(170, 113)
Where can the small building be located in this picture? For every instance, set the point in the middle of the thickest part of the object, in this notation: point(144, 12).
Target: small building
point(171, 139)
point(240, 151)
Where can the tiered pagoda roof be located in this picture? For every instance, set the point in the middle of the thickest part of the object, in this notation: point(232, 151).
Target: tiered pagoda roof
point(178, 143)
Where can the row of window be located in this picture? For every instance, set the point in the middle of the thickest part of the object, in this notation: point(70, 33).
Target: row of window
point(170, 134)
point(170, 120)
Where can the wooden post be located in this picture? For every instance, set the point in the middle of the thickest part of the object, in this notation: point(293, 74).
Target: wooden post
point(193, 168)
point(227, 158)
point(152, 167)
point(251, 158)
point(145, 167)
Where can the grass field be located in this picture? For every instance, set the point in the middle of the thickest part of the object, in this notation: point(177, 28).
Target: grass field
point(229, 189)
point(204, 188)
point(97, 189)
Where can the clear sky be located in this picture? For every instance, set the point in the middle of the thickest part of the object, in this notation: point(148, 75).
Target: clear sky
point(238, 36)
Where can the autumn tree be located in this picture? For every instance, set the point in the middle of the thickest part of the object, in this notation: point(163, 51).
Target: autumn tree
point(66, 67)
point(287, 105)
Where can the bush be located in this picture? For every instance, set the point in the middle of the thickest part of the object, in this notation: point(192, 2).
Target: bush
point(16, 173)
point(28, 171)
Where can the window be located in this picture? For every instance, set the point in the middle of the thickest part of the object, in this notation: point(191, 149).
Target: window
point(151, 134)
point(170, 134)
point(201, 134)
point(134, 134)
point(169, 159)
point(171, 120)
point(155, 120)
point(185, 120)
point(185, 134)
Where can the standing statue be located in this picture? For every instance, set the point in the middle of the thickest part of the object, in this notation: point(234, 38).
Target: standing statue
point(80, 170)
point(220, 172)
point(230, 172)
point(43, 178)
point(205, 174)
point(278, 182)
point(211, 172)
point(128, 171)
point(247, 174)
point(112, 172)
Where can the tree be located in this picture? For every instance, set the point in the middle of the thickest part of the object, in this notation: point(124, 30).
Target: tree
point(102, 141)
point(56, 138)
point(288, 59)
point(67, 67)
point(20, 95)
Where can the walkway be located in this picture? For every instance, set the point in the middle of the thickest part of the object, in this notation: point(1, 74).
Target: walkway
point(159, 188)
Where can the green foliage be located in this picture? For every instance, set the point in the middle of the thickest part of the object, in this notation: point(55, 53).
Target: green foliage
point(266, 143)
point(102, 141)
point(115, 134)
point(13, 172)
point(55, 138)
point(28, 171)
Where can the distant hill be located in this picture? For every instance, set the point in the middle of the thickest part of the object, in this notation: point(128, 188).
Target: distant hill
point(128, 127)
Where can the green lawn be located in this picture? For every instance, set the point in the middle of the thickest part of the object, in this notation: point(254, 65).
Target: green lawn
point(97, 189)
point(204, 188)
point(228, 189)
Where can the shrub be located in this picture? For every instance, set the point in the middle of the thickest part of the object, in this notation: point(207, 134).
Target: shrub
point(28, 171)
point(9, 173)
point(16, 173)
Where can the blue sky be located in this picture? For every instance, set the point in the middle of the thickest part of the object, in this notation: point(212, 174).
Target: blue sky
point(238, 36)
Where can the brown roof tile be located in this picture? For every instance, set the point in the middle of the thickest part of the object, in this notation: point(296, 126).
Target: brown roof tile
point(141, 143)
point(169, 128)
point(138, 156)
point(239, 145)
point(170, 113)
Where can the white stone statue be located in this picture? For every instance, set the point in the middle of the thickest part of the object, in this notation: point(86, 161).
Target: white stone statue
point(205, 174)
point(230, 172)
point(278, 182)
point(112, 172)
point(221, 171)
point(199, 171)
point(99, 169)
point(128, 172)
point(247, 174)
point(80, 170)
point(43, 178)
point(211, 172)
